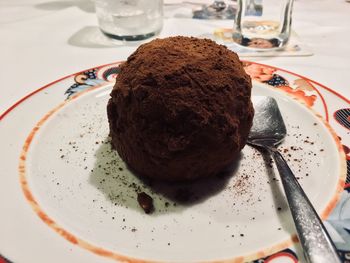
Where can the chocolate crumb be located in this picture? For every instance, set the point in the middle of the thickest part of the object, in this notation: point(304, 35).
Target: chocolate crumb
point(146, 202)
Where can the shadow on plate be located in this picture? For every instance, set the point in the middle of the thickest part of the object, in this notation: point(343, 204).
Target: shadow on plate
point(92, 37)
point(279, 199)
point(84, 5)
point(120, 186)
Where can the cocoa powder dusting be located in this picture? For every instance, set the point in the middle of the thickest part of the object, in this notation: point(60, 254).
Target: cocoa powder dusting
point(178, 100)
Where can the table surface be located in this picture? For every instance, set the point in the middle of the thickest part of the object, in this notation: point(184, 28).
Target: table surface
point(43, 41)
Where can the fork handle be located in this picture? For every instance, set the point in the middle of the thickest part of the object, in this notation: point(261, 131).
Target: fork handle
point(314, 238)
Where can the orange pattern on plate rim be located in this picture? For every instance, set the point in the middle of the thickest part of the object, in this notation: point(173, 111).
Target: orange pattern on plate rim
point(118, 257)
point(263, 73)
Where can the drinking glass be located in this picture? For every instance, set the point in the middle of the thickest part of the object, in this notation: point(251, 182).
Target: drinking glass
point(263, 24)
point(219, 9)
point(130, 20)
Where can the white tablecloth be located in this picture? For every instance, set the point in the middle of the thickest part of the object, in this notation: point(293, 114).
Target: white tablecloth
point(43, 41)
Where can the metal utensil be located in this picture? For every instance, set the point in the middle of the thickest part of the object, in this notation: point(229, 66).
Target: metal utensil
point(268, 132)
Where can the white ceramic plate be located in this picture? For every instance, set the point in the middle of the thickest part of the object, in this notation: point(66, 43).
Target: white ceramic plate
point(62, 182)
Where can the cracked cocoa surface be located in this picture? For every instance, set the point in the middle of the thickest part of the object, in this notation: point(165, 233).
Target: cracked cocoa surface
point(180, 109)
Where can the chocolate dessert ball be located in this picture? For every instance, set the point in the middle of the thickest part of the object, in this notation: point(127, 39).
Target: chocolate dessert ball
point(180, 109)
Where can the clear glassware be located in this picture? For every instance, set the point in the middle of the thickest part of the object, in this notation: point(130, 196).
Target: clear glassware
point(263, 24)
point(130, 20)
point(219, 9)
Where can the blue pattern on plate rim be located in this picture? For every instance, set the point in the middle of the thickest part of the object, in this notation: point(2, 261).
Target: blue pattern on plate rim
point(90, 78)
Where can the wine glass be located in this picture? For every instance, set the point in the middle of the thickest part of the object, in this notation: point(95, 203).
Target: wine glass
point(219, 9)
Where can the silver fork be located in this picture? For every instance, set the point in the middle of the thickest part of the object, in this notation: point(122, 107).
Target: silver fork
point(268, 132)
